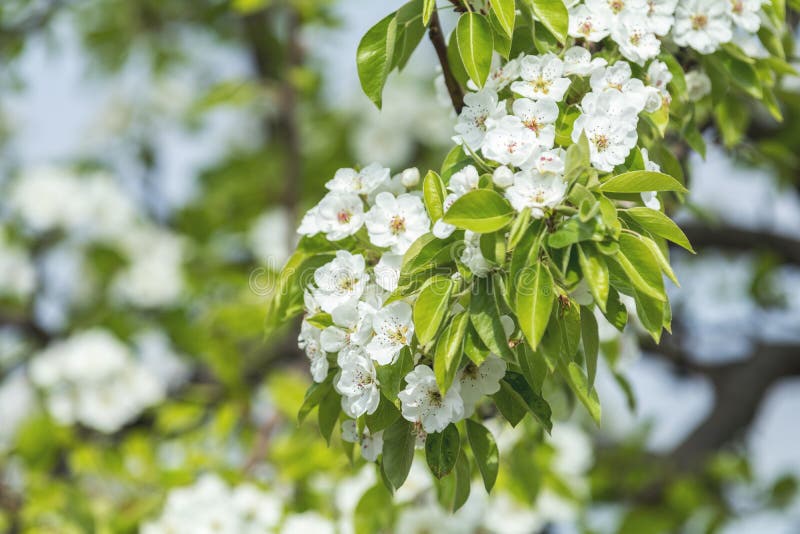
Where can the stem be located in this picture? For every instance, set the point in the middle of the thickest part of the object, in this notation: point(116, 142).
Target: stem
point(437, 38)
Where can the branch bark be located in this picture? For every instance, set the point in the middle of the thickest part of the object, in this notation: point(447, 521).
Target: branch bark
point(437, 38)
point(743, 240)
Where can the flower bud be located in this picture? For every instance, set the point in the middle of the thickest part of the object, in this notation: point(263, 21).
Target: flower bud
point(503, 177)
point(410, 177)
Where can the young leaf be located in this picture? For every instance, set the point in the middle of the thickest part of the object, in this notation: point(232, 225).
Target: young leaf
point(534, 301)
point(449, 350)
point(481, 211)
point(427, 10)
point(518, 387)
point(386, 414)
point(583, 390)
point(314, 395)
point(329, 409)
point(591, 342)
point(442, 449)
point(484, 448)
point(434, 193)
point(398, 452)
point(505, 11)
point(615, 311)
point(485, 318)
point(595, 271)
point(553, 14)
point(475, 44)
point(431, 307)
point(641, 182)
point(374, 57)
point(640, 266)
point(659, 224)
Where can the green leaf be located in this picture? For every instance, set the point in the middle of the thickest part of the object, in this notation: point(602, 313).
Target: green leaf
point(427, 11)
point(329, 409)
point(745, 76)
point(474, 348)
point(484, 448)
point(442, 449)
point(590, 339)
point(484, 315)
point(449, 350)
point(519, 388)
point(422, 254)
point(454, 490)
point(533, 366)
point(505, 11)
point(583, 390)
point(391, 376)
point(535, 294)
point(554, 15)
point(641, 182)
point(595, 271)
point(475, 44)
point(386, 414)
point(482, 211)
point(641, 266)
point(374, 57)
point(314, 395)
point(434, 194)
point(510, 404)
point(374, 512)
point(431, 307)
point(659, 224)
point(615, 311)
point(398, 452)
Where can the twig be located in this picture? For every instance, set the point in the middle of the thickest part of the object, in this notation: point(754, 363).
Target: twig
point(437, 38)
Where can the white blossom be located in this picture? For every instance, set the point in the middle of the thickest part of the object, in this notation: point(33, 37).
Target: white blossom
point(387, 271)
point(393, 331)
point(339, 215)
point(660, 15)
point(502, 176)
point(542, 78)
point(500, 77)
point(650, 198)
point(510, 142)
point(698, 85)
point(536, 191)
point(744, 14)
point(585, 24)
point(340, 281)
point(539, 117)
point(472, 256)
point(350, 327)
point(635, 39)
point(410, 177)
point(479, 380)
point(397, 222)
point(480, 110)
point(17, 273)
point(579, 61)
point(369, 444)
point(610, 126)
point(357, 383)
point(421, 401)
point(702, 24)
point(363, 182)
point(309, 342)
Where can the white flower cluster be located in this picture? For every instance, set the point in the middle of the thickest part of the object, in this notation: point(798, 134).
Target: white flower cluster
point(366, 332)
point(94, 379)
point(93, 208)
point(210, 505)
point(519, 133)
point(637, 26)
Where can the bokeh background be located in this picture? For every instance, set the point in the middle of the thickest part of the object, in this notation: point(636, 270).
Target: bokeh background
point(154, 158)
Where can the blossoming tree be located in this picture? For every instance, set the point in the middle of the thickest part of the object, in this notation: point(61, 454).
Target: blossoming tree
point(432, 304)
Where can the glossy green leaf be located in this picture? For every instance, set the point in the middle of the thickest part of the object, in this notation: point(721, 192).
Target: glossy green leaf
point(595, 271)
point(484, 449)
point(442, 450)
point(506, 12)
point(398, 452)
point(516, 385)
point(427, 10)
point(659, 224)
point(485, 318)
point(375, 56)
point(434, 194)
point(481, 211)
point(449, 350)
point(583, 390)
point(535, 294)
point(641, 182)
point(554, 15)
point(475, 45)
point(590, 339)
point(431, 307)
point(640, 266)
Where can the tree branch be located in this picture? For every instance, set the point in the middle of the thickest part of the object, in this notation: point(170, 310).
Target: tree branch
point(437, 38)
point(743, 240)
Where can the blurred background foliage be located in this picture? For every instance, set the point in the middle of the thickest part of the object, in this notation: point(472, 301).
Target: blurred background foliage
point(150, 228)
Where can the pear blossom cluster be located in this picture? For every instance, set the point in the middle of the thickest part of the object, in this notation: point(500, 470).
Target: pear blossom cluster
point(92, 378)
point(363, 330)
point(637, 26)
point(518, 133)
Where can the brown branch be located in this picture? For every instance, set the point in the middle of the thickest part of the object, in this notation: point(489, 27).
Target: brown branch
point(437, 38)
point(743, 240)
